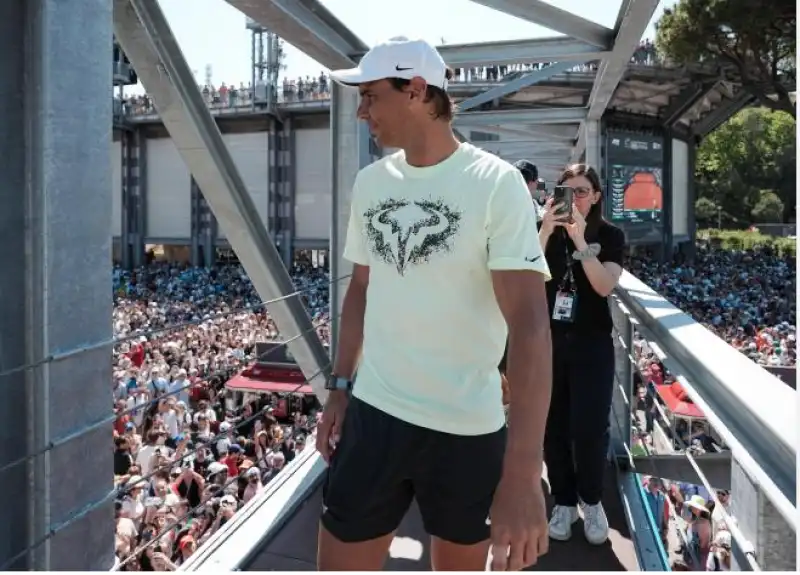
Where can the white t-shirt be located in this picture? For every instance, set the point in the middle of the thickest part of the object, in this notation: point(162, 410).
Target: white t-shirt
point(433, 332)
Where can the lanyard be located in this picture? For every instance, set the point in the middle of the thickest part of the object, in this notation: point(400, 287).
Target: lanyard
point(568, 281)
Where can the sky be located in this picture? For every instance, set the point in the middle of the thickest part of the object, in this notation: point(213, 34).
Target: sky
point(212, 33)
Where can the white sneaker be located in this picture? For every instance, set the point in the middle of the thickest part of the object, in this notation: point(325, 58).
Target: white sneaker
point(595, 524)
point(561, 521)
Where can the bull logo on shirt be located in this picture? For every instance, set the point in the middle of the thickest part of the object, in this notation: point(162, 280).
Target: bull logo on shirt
point(404, 233)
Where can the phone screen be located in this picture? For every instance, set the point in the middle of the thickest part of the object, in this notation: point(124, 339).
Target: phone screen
point(563, 195)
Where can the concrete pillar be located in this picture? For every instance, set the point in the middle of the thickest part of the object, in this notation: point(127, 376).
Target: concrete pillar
point(774, 541)
point(281, 188)
point(287, 187)
point(195, 225)
point(204, 229)
point(666, 211)
point(138, 182)
point(55, 296)
point(350, 151)
point(134, 197)
point(593, 144)
point(691, 199)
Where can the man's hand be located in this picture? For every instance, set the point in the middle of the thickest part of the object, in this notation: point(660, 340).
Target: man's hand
point(330, 427)
point(519, 525)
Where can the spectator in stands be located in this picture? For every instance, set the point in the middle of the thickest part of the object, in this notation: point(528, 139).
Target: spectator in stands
point(530, 173)
point(184, 459)
point(720, 557)
point(585, 255)
point(746, 297)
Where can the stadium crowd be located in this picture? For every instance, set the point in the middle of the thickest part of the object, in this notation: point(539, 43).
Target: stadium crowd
point(185, 461)
point(307, 88)
point(746, 297)
point(185, 458)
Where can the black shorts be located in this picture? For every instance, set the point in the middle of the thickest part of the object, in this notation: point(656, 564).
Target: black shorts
point(382, 463)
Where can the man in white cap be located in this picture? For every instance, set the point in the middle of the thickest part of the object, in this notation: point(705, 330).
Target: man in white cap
point(447, 263)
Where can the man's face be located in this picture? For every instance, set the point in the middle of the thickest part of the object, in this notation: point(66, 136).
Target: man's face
point(387, 111)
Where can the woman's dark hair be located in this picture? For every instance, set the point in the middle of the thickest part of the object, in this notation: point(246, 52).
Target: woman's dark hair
point(595, 215)
point(444, 108)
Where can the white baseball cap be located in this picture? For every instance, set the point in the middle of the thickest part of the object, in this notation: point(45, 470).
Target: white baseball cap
point(398, 57)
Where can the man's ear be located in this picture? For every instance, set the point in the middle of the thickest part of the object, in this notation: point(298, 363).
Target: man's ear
point(417, 88)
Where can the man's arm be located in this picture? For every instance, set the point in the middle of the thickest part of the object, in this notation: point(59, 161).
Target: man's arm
point(351, 324)
point(519, 272)
point(522, 300)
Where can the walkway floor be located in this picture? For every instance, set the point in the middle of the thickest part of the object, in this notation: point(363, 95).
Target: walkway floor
point(294, 548)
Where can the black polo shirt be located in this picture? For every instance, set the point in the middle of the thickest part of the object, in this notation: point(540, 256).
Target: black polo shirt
point(592, 314)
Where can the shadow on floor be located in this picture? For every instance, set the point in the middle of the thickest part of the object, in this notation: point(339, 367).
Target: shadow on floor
point(294, 548)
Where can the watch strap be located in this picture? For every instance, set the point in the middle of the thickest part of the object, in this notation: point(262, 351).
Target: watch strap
point(336, 383)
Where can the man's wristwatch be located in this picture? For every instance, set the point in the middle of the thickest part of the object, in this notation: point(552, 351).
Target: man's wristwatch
point(336, 383)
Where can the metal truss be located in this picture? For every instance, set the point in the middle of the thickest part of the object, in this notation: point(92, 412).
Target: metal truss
point(312, 28)
point(525, 116)
point(717, 117)
point(145, 36)
point(514, 85)
point(308, 26)
point(544, 14)
point(632, 21)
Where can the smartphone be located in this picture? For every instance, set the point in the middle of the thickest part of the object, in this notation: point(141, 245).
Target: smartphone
point(564, 196)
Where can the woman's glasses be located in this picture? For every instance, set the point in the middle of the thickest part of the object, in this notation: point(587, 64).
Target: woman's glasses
point(582, 192)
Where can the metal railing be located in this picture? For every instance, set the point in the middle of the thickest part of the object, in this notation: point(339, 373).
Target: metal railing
point(753, 411)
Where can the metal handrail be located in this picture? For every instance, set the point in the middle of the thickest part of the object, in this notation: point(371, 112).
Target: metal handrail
point(753, 411)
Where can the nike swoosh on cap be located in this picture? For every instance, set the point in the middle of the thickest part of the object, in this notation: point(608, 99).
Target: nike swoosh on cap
point(531, 260)
point(399, 69)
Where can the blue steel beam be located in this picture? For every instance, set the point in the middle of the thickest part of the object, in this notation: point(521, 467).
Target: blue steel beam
point(514, 85)
point(518, 117)
point(143, 31)
point(308, 26)
point(558, 20)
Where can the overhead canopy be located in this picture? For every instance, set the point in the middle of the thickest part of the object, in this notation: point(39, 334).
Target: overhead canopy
point(288, 383)
point(678, 401)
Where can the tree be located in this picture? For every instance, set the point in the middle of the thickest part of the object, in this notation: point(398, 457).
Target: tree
point(768, 208)
point(753, 43)
point(706, 212)
point(755, 150)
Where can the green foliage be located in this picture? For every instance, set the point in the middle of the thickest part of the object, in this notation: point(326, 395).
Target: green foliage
point(752, 42)
point(755, 150)
point(743, 240)
point(706, 212)
point(768, 208)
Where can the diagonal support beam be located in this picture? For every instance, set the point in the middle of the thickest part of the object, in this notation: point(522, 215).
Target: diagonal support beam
point(556, 19)
point(143, 32)
point(515, 85)
point(557, 49)
point(631, 23)
point(517, 117)
point(685, 101)
point(721, 114)
point(308, 26)
point(563, 133)
point(717, 467)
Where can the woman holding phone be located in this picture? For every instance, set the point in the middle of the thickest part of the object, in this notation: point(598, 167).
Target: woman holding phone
point(584, 253)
